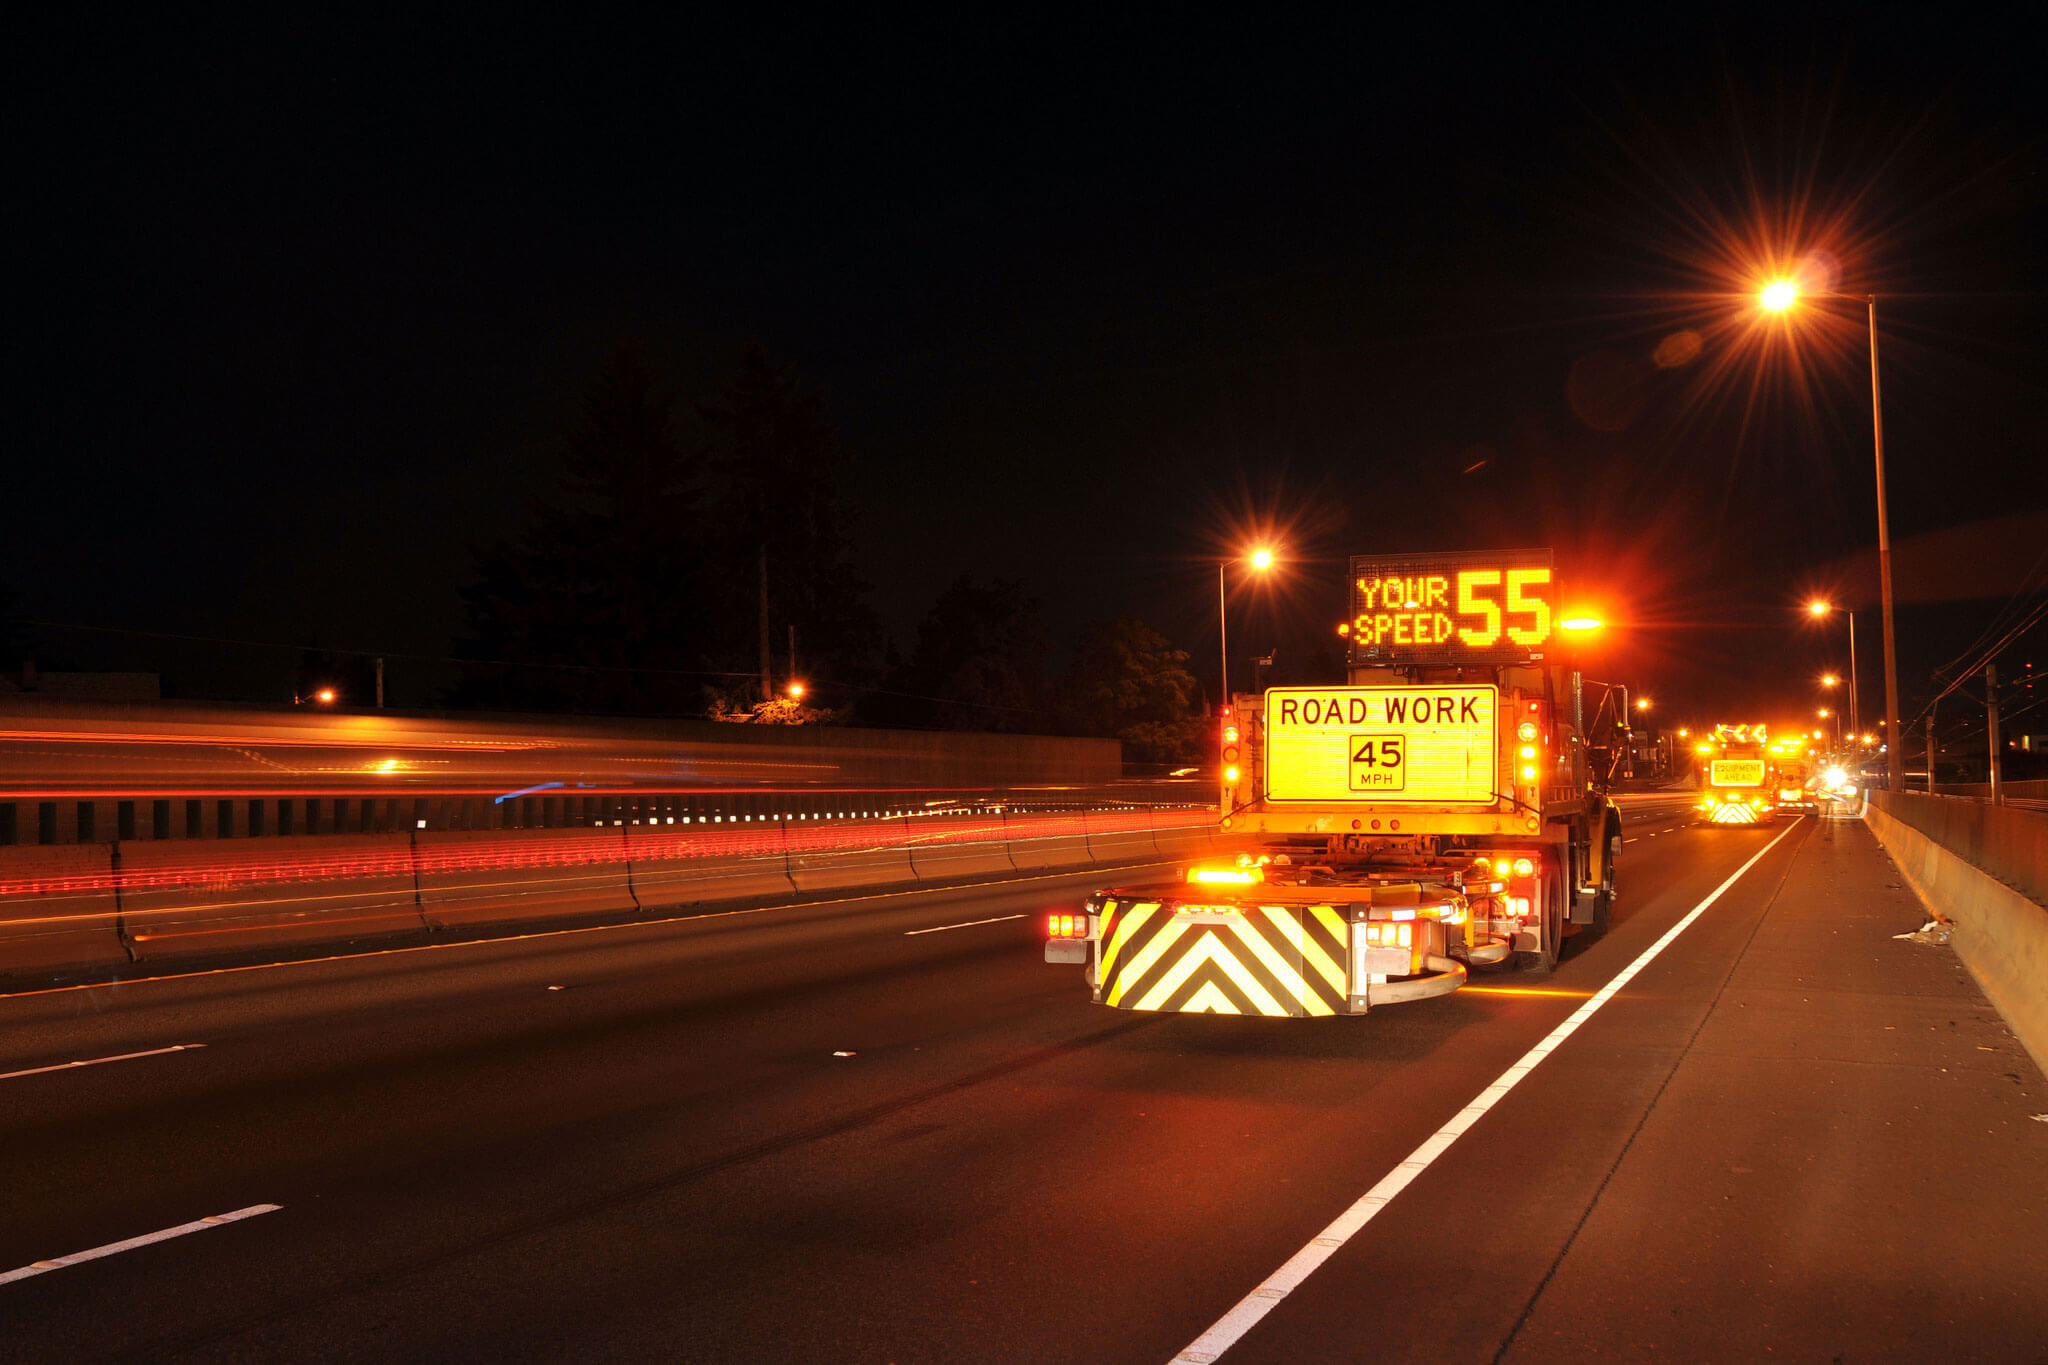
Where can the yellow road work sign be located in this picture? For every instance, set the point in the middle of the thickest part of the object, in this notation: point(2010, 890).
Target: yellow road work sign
point(1381, 744)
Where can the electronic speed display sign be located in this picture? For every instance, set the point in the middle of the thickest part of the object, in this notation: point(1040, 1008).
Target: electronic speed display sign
point(1483, 607)
point(1381, 744)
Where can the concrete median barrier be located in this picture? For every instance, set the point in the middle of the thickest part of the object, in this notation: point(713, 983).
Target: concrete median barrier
point(831, 855)
point(2000, 933)
point(484, 877)
point(58, 908)
point(676, 865)
point(1048, 840)
point(1189, 834)
point(1120, 836)
point(99, 904)
point(960, 846)
point(183, 899)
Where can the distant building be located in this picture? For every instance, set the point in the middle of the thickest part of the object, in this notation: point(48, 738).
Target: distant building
point(93, 686)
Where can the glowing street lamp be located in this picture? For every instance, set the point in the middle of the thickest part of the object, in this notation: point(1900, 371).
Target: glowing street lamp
point(1778, 296)
point(1829, 680)
point(1260, 559)
point(1820, 607)
point(325, 696)
point(1642, 703)
point(796, 691)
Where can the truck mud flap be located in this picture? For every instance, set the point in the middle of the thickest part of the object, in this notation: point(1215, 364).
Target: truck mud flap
point(1279, 961)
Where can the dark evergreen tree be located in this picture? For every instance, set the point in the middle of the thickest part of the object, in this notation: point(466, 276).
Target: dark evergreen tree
point(778, 470)
point(979, 663)
point(1129, 683)
point(596, 604)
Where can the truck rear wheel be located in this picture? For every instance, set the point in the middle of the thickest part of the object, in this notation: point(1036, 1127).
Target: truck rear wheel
point(1550, 918)
point(1603, 899)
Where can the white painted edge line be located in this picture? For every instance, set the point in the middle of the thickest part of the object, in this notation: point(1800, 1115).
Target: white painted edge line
point(942, 928)
point(114, 1248)
point(1229, 1329)
point(100, 1061)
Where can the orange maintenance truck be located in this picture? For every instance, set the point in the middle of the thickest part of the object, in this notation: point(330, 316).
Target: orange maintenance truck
point(1735, 776)
point(1442, 810)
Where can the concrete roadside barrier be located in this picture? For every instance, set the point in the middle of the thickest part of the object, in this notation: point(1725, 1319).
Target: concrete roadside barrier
point(481, 877)
point(831, 855)
point(676, 865)
point(959, 846)
point(1047, 840)
point(2000, 933)
point(1186, 833)
point(1119, 836)
point(182, 899)
point(58, 908)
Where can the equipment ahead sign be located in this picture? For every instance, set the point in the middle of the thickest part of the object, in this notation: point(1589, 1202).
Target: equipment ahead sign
point(1451, 608)
point(1380, 744)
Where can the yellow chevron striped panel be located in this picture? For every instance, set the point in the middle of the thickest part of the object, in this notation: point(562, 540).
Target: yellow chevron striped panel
point(1276, 960)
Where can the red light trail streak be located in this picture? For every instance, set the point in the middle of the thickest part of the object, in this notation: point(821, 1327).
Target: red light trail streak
point(223, 872)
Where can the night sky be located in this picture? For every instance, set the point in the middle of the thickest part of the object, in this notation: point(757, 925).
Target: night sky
point(300, 309)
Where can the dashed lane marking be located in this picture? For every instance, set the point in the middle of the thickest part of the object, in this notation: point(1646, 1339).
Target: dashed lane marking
point(146, 1239)
point(100, 1061)
point(1229, 1329)
point(942, 928)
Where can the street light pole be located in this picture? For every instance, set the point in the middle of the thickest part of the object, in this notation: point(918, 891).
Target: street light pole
point(1855, 714)
point(1223, 626)
point(1895, 761)
point(1260, 559)
point(1778, 296)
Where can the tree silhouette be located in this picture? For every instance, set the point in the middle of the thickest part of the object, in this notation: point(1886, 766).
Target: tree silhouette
point(595, 605)
point(777, 468)
point(979, 663)
point(1127, 682)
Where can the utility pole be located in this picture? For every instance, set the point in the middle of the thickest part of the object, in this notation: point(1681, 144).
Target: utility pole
point(380, 684)
point(1991, 719)
point(767, 666)
point(792, 652)
point(1930, 751)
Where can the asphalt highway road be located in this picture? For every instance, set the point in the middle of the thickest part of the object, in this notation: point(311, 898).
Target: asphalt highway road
point(876, 1129)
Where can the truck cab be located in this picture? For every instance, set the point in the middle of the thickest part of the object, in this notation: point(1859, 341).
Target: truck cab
point(1735, 776)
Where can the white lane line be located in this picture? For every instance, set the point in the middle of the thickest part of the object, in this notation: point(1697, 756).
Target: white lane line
point(940, 929)
point(1231, 1327)
point(100, 1061)
point(113, 1248)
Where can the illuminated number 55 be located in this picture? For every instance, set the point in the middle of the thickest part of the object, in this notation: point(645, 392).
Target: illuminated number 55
point(1535, 608)
point(1471, 604)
